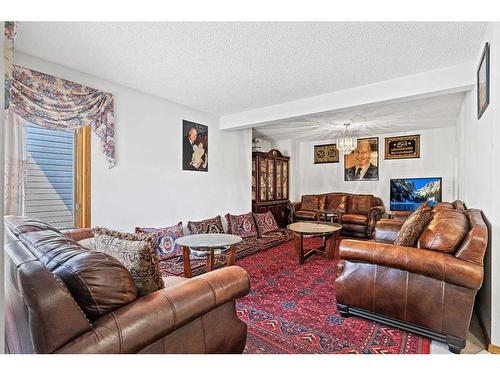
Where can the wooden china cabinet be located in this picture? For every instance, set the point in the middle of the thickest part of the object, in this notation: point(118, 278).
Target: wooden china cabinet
point(270, 171)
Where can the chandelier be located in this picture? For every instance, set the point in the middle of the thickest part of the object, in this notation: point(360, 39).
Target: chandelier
point(347, 143)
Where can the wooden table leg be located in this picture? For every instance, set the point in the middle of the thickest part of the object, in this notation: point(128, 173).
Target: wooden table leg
point(232, 256)
point(210, 260)
point(299, 247)
point(187, 265)
point(331, 248)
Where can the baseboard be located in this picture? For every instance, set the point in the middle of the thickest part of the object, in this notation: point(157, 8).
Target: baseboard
point(493, 349)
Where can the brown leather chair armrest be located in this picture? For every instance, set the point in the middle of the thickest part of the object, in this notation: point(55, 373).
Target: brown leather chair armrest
point(292, 208)
point(374, 215)
point(79, 233)
point(434, 264)
point(386, 230)
point(133, 327)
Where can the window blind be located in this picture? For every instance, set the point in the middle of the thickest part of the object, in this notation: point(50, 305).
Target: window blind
point(50, 188)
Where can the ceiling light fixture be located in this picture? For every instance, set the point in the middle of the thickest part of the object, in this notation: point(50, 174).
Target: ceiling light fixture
point(347, 143)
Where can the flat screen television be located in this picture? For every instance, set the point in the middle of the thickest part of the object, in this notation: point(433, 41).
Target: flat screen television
point(409, 193)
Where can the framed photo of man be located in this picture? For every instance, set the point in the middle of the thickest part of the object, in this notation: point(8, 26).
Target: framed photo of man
point(194, 146)
point(362, 163)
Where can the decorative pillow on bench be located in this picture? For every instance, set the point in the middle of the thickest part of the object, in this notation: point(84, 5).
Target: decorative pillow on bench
point(265, 223)
point(213, 225)
point(165, 240)
point(137, 252)
point(241, 225)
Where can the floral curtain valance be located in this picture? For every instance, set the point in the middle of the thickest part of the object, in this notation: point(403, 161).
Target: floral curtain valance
point(56, 103)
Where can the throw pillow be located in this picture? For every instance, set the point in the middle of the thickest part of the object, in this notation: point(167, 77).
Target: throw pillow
point(88, 243)
point(137, 252)
point(241, 225)
point(213, 225)
point(265, 223)
point(165, 240)
point(412, 227)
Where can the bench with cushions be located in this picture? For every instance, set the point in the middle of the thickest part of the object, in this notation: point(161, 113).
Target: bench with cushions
point(360, 212)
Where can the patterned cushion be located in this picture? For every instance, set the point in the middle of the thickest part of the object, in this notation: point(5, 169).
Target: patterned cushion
point(412, 227)
point(309, 203)
point(165, 240)
point(213, 225)
point(265, 222)
point(241, 225)
point(137, 252)
point(360, 204)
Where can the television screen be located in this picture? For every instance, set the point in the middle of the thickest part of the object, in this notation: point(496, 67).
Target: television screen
point(409, 193)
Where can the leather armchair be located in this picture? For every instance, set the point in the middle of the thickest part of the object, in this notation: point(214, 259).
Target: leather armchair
point(427, 291)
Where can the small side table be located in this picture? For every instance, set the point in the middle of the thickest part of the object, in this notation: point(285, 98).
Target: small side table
point(312, 229)
point(330, 214)
point(207, 245)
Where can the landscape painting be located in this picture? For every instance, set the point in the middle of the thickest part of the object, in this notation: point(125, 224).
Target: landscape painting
point(409, 193)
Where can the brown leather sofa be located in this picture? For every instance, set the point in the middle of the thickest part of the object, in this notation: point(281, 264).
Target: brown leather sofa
point(428, 289)
point(360, 212)
point(62, 298)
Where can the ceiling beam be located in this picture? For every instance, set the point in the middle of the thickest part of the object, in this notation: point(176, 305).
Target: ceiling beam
point(449, 80)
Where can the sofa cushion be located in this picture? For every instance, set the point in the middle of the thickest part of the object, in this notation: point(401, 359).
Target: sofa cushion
point(309, 203)
point(137, 252)
point(97, 281)
point(274, 238)
point(305, 214)
point(412, 227)
point(445, 232)
point(322, 201)
point(336, 201)
point(442, 206)
point(165, 239)
point(360, 204)
point(355, 219)
point(21, 224)
point(459, 205)
point(265, 222)
point(241, 225)
point(213, 225)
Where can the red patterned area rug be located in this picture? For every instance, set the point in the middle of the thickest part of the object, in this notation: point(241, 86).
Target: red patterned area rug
point(291, 309)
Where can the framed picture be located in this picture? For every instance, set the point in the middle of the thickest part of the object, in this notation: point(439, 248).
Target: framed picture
point(406, 147)
point(483, 82)
point(362, 163)
point(326, 154)
point(194, 146)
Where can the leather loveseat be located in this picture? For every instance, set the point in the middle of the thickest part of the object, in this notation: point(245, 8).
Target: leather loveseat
point(428, 289)
point(62, 298)
point(360, 212)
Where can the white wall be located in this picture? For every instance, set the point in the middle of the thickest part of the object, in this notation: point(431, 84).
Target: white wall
point(437, 159)
point(478, 142)
point(148, 187)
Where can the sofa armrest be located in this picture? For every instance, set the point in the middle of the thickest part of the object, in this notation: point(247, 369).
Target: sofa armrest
point(386, 230)
point(137, 325)
point(374, 215)
point(79, 233)
point(292, 208)
point(430, 263)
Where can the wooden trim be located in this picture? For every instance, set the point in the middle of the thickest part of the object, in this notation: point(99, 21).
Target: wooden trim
point(493, 349)
point(83, 177)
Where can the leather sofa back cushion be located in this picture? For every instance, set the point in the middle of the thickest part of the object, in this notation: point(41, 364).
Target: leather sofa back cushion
point(309, 203)
point(412, 227)
point(98, 282)
point(336, 201)
point(360, 204)
point(445, 232)
point(213, 225)
point(137, 252)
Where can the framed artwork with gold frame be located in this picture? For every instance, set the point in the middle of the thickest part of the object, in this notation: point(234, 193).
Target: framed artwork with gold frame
point(405, 147)
point(326, 154)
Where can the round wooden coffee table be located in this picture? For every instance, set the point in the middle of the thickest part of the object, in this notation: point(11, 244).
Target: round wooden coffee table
point(311, 229)
point(207, 245)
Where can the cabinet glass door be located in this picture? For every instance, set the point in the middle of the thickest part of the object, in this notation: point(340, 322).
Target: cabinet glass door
point(279, 165)
point(263, 179)
point(254, 180)
point(270, 179)
point(285, 179)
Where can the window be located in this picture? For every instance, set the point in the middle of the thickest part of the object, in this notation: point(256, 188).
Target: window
point(58, 172)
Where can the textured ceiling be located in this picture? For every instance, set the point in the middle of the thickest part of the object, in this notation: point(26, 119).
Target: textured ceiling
point(225, 68)
point(368, 120)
